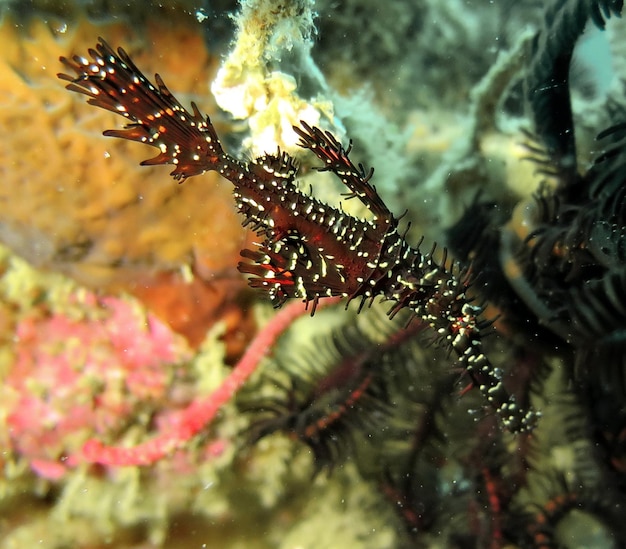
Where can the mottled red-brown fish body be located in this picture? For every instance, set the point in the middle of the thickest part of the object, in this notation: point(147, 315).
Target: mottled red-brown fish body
point(309, 250)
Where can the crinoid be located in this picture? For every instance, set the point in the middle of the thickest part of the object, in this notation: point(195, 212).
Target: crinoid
point(559, 271)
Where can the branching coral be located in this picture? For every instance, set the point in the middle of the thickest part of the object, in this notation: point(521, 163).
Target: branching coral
point(184, 426)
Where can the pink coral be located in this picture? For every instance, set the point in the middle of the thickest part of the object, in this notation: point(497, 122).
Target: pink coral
point(182, 426)
point(76, 378)
point(78, 382)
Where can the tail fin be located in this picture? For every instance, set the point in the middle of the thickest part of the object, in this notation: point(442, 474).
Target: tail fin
point(113, 82)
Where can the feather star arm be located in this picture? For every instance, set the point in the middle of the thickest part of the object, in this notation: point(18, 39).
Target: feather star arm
point(309, 250)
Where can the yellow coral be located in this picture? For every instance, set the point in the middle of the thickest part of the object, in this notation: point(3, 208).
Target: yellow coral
point(78, 203)
point(74, 201)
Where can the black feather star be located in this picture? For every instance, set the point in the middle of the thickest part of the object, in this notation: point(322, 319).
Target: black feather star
point(309, 250)
point(557, 267)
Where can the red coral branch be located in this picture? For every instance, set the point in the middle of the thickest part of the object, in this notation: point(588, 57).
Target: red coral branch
point(198, 415)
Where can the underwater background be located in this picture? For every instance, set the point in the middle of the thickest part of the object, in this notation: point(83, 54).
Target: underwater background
point(150, 398)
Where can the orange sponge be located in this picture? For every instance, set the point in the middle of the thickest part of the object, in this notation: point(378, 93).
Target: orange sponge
point(74, 201)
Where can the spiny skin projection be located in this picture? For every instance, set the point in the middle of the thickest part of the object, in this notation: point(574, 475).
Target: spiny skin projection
point(309, 250)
